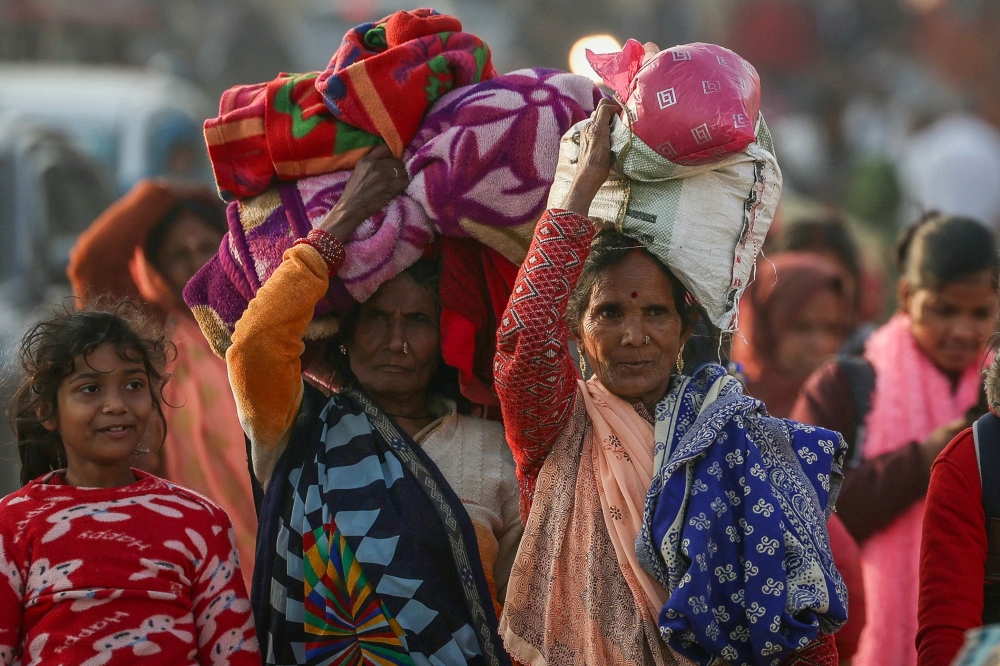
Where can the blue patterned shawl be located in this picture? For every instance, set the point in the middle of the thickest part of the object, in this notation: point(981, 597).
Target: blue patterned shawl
point(734, 525)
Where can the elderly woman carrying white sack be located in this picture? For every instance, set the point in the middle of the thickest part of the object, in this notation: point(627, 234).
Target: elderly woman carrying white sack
point(668, 518)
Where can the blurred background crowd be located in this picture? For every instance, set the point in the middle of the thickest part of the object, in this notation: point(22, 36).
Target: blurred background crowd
point(880, 109)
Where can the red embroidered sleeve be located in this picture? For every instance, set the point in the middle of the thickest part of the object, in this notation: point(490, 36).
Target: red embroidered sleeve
point(534, 372)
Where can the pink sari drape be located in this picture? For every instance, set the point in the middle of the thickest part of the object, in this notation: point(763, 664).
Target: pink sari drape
point(623, 459)
point(912, 398)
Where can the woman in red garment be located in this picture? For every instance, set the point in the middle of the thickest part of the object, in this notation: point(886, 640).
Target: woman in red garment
point(585, 451)
point(953, 553)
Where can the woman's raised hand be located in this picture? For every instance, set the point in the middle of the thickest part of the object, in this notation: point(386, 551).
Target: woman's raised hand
point(594, 163)
point(377, 179)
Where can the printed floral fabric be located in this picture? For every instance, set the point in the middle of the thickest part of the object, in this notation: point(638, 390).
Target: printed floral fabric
point(142, 574)
point(732, 525)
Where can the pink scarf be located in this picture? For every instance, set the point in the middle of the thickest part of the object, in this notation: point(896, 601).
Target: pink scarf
point(912, 398)
point(623, 461)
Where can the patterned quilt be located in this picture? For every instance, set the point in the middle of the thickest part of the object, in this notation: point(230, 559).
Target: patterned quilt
point(480, 165)
point(301, 125)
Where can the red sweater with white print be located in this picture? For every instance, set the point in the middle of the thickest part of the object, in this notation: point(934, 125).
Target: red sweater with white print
point(141, 574)
point(952, 554)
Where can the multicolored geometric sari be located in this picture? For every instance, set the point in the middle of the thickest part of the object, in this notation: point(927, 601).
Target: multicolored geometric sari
point(365, 554)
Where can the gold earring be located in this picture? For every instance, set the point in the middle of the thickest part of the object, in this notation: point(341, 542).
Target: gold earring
point(583, 366)
point(680, 360)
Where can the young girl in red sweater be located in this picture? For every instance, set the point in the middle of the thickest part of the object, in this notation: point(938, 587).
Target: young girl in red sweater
point(101, 563)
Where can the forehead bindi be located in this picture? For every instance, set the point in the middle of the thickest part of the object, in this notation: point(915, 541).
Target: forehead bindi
point(635, 280)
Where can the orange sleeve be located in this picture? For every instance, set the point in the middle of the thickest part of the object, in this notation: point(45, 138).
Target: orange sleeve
point(264, 363)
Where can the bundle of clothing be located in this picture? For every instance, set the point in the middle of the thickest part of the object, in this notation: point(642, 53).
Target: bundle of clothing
point(480, 150)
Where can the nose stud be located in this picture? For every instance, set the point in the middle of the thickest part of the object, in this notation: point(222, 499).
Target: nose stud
point(647, 340)
point(406, 349)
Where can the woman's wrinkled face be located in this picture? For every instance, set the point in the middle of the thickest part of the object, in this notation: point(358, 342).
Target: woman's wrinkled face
point(629, 302)
point(953, 324)
point(818, 332)
point(187, 246)
point(401, 312)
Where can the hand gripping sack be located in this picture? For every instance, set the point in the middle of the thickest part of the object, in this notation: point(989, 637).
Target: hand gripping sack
point(707, 222)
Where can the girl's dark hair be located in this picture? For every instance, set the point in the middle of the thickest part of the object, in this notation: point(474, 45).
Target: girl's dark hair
point(942, 249)
point(610, 247)
point(426, 273)
point(213, 216)
point(48, 355)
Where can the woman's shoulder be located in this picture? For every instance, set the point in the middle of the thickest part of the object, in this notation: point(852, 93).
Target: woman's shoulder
point(961, 453)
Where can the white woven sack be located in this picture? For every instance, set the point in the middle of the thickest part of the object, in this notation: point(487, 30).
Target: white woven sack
point(707, 223)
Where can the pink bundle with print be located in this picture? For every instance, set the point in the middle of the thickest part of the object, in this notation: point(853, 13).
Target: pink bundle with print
point(692, 104)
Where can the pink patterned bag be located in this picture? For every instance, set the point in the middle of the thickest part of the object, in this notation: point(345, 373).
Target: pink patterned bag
point(693, 104)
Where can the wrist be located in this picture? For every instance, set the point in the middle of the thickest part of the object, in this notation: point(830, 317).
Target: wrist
point(578, 202)
point(341, 222)
point(328, 246)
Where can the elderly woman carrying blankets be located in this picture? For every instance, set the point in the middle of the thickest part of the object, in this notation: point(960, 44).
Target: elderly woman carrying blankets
point(388, 521)
point(668, 518)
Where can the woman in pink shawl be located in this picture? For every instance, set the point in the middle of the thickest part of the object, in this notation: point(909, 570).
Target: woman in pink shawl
point(146, 247)
point(927, 361)
point(591, 582)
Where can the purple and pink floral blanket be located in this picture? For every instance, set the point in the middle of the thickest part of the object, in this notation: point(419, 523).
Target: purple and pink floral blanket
point(480, 166)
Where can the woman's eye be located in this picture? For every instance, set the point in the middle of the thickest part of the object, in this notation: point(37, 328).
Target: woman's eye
point(609, 313)
point(134, 385)
point(982, 314)
point(657, 312)
point(88, 388)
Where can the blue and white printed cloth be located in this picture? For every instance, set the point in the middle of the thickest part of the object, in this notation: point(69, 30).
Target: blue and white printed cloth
point(735, 525)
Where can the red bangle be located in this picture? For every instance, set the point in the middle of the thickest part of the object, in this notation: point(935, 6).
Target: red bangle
point(331, 249)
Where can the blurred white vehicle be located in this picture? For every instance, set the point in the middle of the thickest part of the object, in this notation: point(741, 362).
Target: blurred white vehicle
point(134, 122)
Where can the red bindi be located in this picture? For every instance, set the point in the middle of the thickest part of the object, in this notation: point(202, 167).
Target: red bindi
point(635, 294)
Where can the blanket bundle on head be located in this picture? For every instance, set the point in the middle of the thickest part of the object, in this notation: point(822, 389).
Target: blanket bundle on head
point(733, 526)
point(301, 125)
point(480, 166)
